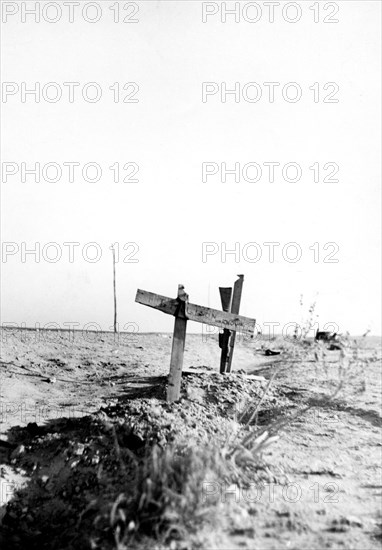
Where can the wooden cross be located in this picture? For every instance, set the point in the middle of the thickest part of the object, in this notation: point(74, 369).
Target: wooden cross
point(225, 296)
point(235, 308)
point(184, 311)
point(227, 338)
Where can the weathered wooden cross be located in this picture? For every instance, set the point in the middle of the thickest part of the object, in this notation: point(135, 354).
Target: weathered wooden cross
point(227, 338)
point(184, 311)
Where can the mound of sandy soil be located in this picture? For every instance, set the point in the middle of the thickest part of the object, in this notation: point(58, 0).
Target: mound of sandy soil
point(80, 419)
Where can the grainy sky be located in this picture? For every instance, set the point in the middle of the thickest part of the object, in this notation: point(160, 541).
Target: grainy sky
point(169, 134)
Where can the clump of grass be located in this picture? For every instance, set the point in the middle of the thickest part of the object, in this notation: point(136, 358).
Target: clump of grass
point(244, 454)
point(166, 501)
point(244, 448)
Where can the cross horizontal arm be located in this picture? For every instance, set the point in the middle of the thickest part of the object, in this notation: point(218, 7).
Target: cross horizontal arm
point(163, 303)
point(197, 313)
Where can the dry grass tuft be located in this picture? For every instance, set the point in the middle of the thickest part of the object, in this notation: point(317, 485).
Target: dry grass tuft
point(167, 500)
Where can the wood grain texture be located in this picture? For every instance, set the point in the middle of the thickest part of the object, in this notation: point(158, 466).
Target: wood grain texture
point(200, 314)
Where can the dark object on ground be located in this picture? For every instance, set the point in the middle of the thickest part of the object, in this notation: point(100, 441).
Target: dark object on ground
point(334, 347)
point(326, 336)
point(271, 352)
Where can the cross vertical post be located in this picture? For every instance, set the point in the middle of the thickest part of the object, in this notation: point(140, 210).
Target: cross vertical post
point(225, 296)
point(178, 343)
point(235, 308)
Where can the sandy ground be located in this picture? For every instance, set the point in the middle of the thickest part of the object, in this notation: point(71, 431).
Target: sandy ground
point(325, 483)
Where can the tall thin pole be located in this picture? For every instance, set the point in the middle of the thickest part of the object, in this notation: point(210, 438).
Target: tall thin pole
point(115, 291)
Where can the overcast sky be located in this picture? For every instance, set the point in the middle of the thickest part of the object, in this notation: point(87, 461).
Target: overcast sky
point(169, 133)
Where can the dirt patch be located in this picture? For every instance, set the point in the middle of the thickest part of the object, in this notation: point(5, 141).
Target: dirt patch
point(73, 448)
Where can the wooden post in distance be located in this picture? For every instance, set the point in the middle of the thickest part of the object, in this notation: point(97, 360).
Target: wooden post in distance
point(114, 291)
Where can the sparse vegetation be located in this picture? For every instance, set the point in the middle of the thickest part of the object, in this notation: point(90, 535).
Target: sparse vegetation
point(166, 501)
point(131, 476)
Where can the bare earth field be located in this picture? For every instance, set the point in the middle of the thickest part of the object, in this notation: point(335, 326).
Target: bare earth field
point(92, 456)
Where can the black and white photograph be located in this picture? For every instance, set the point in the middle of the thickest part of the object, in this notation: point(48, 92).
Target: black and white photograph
point(190, 319)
